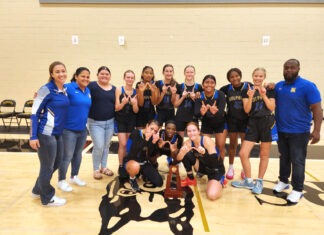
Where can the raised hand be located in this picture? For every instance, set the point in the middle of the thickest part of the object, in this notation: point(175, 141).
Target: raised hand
point(165, 88)
point(174, 146)
point(133, 100)
point(200, 149)
point(161, 143)
point(261, 90)
point(173, 89)
point(213, 109)
point(141, 86)
point(250, 91)
point(125, 99)
point(204, 108)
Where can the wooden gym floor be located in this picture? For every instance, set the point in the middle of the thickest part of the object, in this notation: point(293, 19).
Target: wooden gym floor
point(237, 212)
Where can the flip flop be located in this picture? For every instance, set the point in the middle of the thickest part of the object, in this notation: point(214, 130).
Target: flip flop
point(107, 171)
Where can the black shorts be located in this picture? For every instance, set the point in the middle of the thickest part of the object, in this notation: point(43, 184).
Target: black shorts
point(181, 125)
point(215, 173)
point(143, 118)
point(260, 129)
point(212, 128)
point(236, 125)
point(126, 127)
point(164, 115)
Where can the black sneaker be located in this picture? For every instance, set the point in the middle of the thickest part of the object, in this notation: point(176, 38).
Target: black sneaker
point(122, 172)
point(134, 184)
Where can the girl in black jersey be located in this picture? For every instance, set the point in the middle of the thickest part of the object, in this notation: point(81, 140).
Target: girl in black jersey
point(236, 117)
point(167, 89)
point(170, 142)
point(147, 97)
point(185, 99)
point(126, 108)
point(141, 150)
point(200, 152)
point(210, 107)
point(259, 103)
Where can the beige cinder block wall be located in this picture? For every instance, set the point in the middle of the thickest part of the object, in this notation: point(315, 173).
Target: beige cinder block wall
point(213, 37)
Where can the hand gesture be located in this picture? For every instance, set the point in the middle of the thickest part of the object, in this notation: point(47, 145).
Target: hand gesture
point(133, 100)
point(174, 146)
point(125, 99)
point(185, 149)
point(193, 95)
point(155, 137)
point(173, 89)
point(261, 90)
point(213, 109)
point(165, 88)
point(184, 93)
point(250, 91)
point(203, 109)
point(200, 149)
point(161, 143)
point(141, 86)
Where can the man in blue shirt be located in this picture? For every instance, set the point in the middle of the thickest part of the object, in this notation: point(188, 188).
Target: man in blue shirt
point(298, 101)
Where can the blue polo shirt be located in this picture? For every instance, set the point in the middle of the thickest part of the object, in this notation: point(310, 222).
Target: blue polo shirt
point(293, 100)
point(80, 103)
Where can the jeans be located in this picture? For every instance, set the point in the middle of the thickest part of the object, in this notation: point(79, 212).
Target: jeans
point(293, 151)
point(101, 133)
point(73, 144)
point(50, 155)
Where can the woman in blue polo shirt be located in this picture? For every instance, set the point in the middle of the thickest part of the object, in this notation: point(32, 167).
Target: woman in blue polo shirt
point(48, 118)
point(75, 131)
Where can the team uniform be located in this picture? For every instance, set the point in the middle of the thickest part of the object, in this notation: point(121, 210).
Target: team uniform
point(48, 118)
point(165, 150)
point(143, 152)
point(186, 110)
point(147, 111)
point(236, 118)
point(165, 109)
point(209, 164)
point(261, 125)
point(126, 118)
point(212, 123)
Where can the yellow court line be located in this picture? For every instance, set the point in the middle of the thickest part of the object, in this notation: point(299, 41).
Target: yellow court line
point(201, 210)
point(309, 174)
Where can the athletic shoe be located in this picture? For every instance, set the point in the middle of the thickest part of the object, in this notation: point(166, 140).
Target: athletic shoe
point(64, 186)
point(243, 184)
point(187, 182)
point(230, 173)
point(242, 175)
point(35, 195)
point(76, 180)
point(294, 197)
point(56, 201)
point(258, 187)
point(280, 186)
point(134, 184)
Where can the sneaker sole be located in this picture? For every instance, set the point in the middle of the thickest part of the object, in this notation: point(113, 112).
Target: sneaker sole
point(236, 186)
point(275, 191)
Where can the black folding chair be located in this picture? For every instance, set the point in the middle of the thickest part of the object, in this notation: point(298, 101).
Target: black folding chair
point(26, 113)
point(8, 112)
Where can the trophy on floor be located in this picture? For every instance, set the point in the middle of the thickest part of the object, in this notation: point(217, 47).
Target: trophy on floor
point(173, 186)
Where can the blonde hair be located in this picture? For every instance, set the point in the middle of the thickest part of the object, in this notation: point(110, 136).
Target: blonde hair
point(260, 69)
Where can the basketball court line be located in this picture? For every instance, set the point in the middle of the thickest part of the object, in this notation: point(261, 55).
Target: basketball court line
point(201, 209)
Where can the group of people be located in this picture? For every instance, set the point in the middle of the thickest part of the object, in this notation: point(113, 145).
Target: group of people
point(62, 114)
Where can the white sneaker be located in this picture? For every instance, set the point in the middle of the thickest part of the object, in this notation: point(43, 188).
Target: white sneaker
point(230, 173)
point(34, 195)
point(64, 186)
point(294, 197)
point(280, 186)
point(75, 180)
point(56, 201)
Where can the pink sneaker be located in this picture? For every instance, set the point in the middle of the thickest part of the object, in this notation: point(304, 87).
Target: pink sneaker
point(230, 173)
point(242, 175)
point(187, 181)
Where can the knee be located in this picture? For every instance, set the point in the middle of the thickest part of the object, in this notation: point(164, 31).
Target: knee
point(212, 195)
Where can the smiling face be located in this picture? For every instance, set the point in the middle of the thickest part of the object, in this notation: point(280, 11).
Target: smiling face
point(168, 73)
point(209, 85)
point(104, 77)
point(291, 70)
point(193, 132)
point(147, 75)
point(235, 79)
point(151, 128)
point(258, 77)
point(129, 78)
point(170, 130)
point(189, 73)
point(83, 79)
point(59, 75)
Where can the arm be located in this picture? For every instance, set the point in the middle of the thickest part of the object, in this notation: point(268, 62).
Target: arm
point(119, 105)
point(209, 145)
point(269, 102)
point(155, 94)
point(247, 104)
point(134, 104)
point(140, 94)
point(318, 117)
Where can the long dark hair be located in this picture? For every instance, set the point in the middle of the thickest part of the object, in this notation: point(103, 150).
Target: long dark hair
point(77, 73)
point(51, 68)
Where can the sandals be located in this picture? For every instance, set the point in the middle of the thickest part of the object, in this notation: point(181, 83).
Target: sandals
point(97, 175)
point(106, 171)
